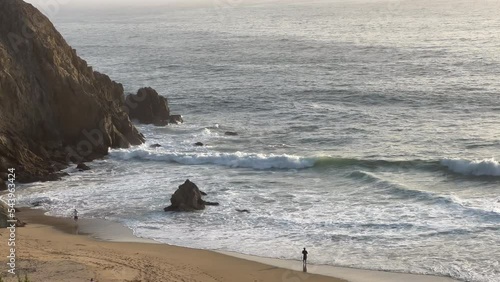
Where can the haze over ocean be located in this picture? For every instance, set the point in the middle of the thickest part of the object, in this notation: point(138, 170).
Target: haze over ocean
point(368, 131)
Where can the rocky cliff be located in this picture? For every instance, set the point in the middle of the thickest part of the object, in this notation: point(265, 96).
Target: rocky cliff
point(54, 109)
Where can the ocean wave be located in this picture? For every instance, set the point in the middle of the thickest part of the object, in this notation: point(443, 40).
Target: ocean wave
point(402, 192)
point(258, 160)
point(475, 168)
point(459, 231)
point(486, 167)
point(369, 163)
point(237, 159)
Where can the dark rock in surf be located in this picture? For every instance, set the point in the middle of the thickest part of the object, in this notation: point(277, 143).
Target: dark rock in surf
point(244, 211)
point(203, 193)
point(148, 107)
point(175, 119)
point(187, 198)
point(199, 144)
point(155, 146)
point(230, 133)
point(82, 167)
point(36, 204)
point(57, 166)
point(161, 123)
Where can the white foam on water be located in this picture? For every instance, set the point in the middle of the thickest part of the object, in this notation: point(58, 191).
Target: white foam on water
point(485, 167)
point(337, 227)
point(236, 159)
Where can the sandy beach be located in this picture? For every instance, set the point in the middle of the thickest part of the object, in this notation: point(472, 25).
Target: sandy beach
point(49, 249)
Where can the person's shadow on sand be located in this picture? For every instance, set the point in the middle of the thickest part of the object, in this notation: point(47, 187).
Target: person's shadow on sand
point(76, 228)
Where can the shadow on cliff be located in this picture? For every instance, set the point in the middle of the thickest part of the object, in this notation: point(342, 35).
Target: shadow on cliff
point(54, 109)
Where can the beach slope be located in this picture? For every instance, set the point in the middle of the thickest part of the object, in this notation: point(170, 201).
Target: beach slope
point(47, 251)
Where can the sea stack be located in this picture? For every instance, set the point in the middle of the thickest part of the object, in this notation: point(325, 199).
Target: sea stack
point(188, 198)
point(54, 109)
point(148, 107)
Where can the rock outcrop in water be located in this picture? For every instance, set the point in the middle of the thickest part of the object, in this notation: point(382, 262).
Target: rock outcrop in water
point(82, 167)
point(54, 108)
point(188, 198)
point(243, 211)
point(148, 107)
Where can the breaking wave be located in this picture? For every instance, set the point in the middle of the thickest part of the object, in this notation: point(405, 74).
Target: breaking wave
point(486, 167)
point(237, 159)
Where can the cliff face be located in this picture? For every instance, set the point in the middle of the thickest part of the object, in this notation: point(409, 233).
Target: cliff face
point(54, 108)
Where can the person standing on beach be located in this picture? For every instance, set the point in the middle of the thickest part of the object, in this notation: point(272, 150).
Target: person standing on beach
point(304, 259)
point(75, 215)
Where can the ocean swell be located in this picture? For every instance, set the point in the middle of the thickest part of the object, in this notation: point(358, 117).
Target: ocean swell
point(474, 168)
point(372, 164)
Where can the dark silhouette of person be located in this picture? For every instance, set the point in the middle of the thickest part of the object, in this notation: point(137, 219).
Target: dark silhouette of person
point(75, 215)
point(304, 259)
point(75, 218)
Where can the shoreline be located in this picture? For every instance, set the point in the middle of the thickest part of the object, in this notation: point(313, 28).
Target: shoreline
point(48, 250)
point(105, 231)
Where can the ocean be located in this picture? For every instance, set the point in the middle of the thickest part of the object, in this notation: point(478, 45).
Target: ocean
point(367, 131)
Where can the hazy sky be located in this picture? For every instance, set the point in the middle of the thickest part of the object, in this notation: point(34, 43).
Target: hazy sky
point(106, 2)
point(102, 3)
point(96, 4)
point(52, 8)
